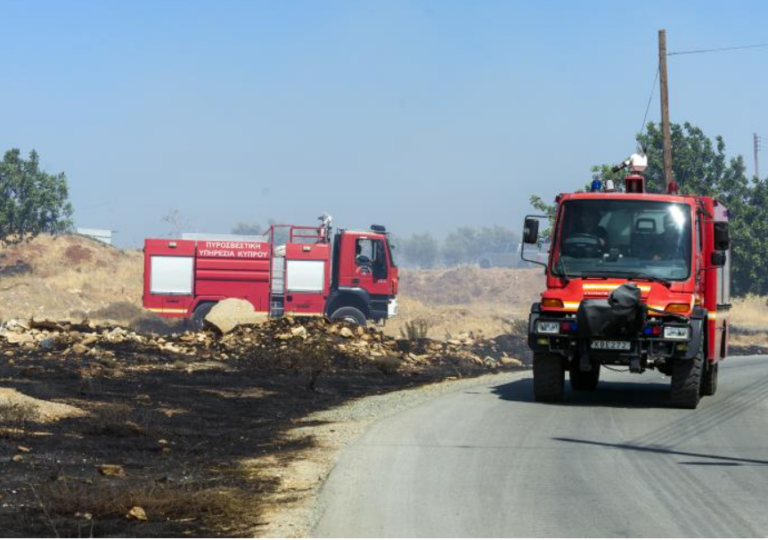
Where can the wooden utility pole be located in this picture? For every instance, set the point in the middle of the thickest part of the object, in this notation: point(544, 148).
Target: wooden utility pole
point(665, 134)
point(757, 141)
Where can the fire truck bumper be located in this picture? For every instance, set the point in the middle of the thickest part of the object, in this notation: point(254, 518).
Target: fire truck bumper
point(559, 334)
point(392, 308)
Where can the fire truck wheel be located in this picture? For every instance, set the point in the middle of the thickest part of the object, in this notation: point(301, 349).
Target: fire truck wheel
point(686, 382)
point(584, 381)
point(198, 317)
point(349, 314)
point(548, 377)
point(709, 379)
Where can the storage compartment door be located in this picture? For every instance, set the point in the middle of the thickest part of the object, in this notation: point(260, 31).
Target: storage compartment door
point(305, 276)
point(171, 275)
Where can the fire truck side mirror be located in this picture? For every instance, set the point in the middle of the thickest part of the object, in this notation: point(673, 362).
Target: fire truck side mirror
point(722, 236)
point(718, 258)
point(531, 231)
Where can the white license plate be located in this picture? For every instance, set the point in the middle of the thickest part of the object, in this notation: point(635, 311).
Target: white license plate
point(612, 345)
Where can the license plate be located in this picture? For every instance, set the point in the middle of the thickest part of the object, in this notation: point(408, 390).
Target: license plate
point(612, 345)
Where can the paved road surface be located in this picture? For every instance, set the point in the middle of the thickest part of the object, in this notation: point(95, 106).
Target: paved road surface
point(490, 462)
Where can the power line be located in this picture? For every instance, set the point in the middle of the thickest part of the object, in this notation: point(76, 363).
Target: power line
point(650, 99)
point(721, 49)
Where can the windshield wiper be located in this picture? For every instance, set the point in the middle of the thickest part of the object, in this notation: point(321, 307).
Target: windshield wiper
point(564, 273)
point(649, 277)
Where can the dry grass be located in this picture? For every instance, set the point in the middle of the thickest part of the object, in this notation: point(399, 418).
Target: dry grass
point(750, 312)
point(100, 508)
point(59, 277)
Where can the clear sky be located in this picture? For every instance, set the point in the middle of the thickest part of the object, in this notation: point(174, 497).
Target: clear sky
point(421, 115)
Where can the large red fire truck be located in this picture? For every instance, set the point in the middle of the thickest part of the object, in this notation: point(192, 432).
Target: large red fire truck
point(634, 279)
point(292, 270)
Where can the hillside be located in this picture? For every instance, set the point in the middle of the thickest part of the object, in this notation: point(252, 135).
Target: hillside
point(69, 276)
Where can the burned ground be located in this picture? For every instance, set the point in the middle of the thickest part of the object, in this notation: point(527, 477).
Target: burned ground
point(182, 418)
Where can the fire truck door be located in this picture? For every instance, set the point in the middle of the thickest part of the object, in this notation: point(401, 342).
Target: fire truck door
point(371, 266)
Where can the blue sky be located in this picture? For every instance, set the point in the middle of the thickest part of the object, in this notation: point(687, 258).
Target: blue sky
point(422, 115)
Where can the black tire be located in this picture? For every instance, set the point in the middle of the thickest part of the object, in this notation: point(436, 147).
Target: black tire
point(685, 391)
point(198, 317)
point(584, 381)
point(548, 377)
point(350, 314)
point(709, 379)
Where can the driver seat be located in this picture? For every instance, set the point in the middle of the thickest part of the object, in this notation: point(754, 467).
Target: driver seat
point(643, 238)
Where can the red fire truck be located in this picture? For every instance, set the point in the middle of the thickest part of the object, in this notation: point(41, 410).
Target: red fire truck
point(634, 279)
point(292, 270)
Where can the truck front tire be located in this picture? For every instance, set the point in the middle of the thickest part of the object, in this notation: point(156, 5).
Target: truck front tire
point(548, 377)
point(584, 381)
point(349, 314)
point(685, 391)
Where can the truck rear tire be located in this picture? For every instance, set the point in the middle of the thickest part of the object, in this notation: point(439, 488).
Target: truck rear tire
point(349, 314)
point(548, 377)
point(686, 382)
point(198, 317)
point(709, 379)
point(584, 381)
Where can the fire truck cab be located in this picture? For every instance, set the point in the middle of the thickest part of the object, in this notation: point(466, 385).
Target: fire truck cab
point(634, 279)
point(292, 270)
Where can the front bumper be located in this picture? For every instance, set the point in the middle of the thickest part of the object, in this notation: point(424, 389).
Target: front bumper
point(569, 342)
point(392, 308)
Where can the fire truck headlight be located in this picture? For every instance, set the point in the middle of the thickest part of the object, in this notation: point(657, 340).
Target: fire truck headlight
point(677, 332)
point(548, 327)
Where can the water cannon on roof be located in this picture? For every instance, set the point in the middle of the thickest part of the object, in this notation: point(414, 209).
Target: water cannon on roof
point(635, 165)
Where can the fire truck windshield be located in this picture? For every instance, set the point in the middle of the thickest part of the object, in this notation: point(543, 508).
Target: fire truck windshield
point(624, 238)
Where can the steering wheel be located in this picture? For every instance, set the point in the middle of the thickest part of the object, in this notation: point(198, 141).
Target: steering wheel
point(582, 245)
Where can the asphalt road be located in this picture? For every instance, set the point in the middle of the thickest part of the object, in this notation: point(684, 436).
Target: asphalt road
point(618, 462)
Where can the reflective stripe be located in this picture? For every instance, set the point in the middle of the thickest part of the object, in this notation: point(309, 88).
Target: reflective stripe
point(167, 310)
point(610, 287)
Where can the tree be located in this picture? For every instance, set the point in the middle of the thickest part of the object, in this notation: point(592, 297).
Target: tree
point(420, 250)
point(700, 166)
point(247, 229)
point(176, 221)
point(32, 201)
point(459, 246)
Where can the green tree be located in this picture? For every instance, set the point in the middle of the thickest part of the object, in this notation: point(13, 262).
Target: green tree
point(458, 247)
point(420, 250)
point(495, 239)
point(32, 201)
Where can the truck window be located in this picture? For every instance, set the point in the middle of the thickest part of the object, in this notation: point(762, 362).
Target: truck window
point(372, 254)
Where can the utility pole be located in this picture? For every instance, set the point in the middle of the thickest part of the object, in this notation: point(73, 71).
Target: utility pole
point(665, 134)
point(758, 140)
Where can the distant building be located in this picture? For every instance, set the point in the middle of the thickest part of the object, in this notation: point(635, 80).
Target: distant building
point(102, 235)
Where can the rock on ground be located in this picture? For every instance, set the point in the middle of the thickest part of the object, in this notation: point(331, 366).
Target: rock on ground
point(35, 410)
point(233, 312)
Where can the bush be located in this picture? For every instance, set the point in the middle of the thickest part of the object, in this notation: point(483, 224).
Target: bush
point(516, 327)
point(416, 329)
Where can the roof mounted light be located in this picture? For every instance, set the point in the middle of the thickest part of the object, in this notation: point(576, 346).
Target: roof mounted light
point(379, 228)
